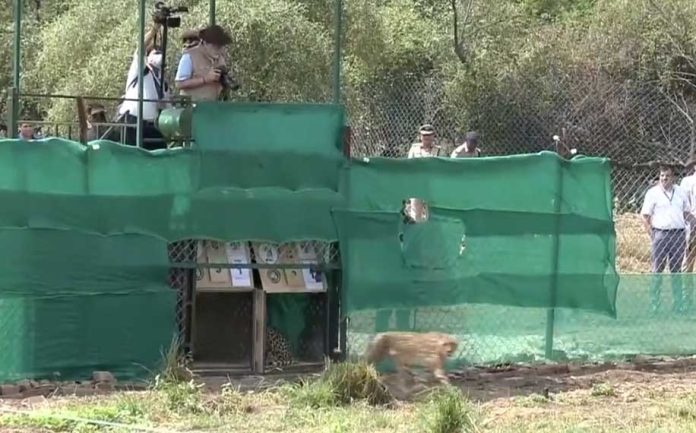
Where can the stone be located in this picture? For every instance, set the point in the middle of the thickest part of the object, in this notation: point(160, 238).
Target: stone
point(8, 389)
point(24, 385)
point(103, 377)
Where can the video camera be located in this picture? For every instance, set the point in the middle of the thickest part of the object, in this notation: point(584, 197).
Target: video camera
point(168, 16)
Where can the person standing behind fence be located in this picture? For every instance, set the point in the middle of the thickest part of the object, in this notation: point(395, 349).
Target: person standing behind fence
point(665, 212)
point(201, 66)
point(415, 211)
point(469, 149)
point(154, 100)
point(688, 185)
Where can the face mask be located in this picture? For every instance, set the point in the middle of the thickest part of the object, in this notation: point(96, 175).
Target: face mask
point(155, 60)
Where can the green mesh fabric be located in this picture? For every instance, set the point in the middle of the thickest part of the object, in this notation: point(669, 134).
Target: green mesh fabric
point(83, 284)
point(74, 302)
point(530, 231)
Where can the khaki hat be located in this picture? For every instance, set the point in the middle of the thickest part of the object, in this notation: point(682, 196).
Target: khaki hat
point(427, 129)
point(190, 35)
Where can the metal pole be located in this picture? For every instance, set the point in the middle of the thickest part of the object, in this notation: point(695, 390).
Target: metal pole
point(337, 52)
point(551, 312)
point(211, 12)
point(17, 65)
point(141, 67)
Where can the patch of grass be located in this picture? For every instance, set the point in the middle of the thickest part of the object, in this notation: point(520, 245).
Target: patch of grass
point(686, 409)
point(174, 365)
point(603, 390)
point(229, 402)
point(341, 384)
point(531, 400)
point(448, 411)
point(123, 410)
point(183, 398)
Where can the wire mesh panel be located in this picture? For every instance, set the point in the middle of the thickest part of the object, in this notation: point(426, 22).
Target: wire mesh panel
point(635, 124)
point(215, 319)
point(222, 331)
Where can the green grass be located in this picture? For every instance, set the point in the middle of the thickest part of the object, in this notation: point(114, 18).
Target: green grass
point(350, 398)
point(445, 411)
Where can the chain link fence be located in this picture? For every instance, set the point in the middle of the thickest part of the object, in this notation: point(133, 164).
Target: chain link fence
point(635, 124)
point(226, 316)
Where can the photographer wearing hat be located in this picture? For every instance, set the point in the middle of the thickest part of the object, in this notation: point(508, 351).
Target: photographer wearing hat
point(202, 72)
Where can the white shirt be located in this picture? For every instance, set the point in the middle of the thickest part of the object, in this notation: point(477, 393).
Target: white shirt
point(666, 208)
point(150, 109)
point(688, 185)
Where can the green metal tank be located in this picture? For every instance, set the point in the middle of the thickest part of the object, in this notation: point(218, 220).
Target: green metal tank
point(175, 123)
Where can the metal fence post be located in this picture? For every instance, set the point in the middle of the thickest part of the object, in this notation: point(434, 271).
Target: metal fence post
point(16, 69)
point(211, 12)
point(12, 112)
point(551, 312)
point(141, 66)
point(337, 52)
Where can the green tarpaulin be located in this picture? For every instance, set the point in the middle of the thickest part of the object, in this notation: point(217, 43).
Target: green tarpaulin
point(83, 283)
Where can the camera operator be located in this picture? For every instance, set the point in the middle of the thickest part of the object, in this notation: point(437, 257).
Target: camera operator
point(202, 73)
point(154, 99)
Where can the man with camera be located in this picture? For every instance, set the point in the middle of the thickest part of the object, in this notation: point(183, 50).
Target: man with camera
point(202, 73)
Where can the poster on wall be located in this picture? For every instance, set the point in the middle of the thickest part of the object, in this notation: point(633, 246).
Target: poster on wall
point(279, 280)
point(238, 253)
point(307, 254)
point(223, 278)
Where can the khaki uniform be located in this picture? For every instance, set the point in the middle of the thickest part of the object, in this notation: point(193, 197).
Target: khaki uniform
point(202, 65)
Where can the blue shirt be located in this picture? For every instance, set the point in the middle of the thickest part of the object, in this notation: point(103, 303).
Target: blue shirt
point(185, 69)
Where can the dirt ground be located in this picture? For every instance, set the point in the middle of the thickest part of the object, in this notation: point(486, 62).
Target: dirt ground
point(504, 382)
point(638, 397)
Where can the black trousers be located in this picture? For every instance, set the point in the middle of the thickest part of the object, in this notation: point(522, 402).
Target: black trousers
point(152, 137)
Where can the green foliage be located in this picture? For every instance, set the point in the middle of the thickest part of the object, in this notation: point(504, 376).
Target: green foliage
point(448, 411)
point(340, 384)
point(283, 51)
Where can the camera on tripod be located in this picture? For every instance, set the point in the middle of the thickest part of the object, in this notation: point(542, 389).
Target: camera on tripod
point(168, 16)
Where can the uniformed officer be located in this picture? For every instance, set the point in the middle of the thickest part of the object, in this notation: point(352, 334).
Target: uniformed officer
point(427, 146)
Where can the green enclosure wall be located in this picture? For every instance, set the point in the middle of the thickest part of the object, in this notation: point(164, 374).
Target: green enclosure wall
point(83, 284)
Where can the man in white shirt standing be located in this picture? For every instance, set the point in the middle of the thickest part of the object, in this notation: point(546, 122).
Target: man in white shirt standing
point(665, 213)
